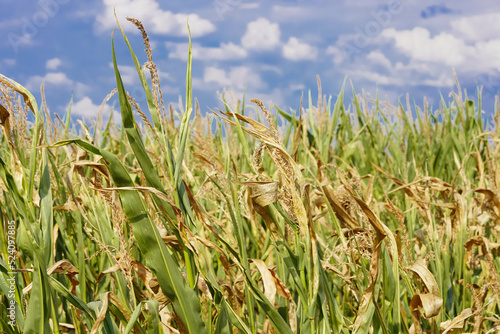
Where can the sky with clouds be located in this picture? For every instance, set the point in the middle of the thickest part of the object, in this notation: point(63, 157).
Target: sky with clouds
point(273, 50)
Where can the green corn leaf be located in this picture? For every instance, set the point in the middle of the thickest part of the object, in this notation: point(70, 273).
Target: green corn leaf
point(152, 246)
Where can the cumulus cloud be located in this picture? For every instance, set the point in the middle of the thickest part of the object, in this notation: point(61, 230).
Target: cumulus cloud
point(296, 50)
point(87, 109)
point(419, 45)
point(53, 64)
point(261, 35)
point(336, 52)
point(159, 21)
point(236, 77)
point(478, 27)
point(294, 87)
point(225, 51)
point(446, 49)
point(59, 80)
point(53, 78)
point(379, 58)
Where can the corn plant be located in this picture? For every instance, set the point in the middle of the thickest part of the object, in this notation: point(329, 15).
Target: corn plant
point(346, 215)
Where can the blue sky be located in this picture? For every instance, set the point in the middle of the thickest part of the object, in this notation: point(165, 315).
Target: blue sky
point(273, 49)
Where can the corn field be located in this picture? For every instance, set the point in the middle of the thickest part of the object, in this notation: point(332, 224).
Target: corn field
point(347, 215)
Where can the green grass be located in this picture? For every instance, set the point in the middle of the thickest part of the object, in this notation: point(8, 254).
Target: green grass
point(353, 216)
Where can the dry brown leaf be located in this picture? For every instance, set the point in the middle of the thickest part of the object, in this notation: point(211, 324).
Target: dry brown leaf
point(267, 280)
point(263, 193)
point(101, 168)
point(281, 158)
point(431, 302)
point(493, 276)
point(256, 125)
point(344, 218)
point(161, 195)
point(143, 272)
point(368, 294)
point(66, 267)
point(68, 206)
point(223, 257)
point(431, 305)
point(17, 88)
point(491, 196)
point(112, 269)
point(4, 115)
point(102, 314)
point(420, 268)
point(5, 123)
point(457, 323)
point(281, 288)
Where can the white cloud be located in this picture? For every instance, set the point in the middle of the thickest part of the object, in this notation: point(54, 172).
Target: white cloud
point(53, 78)
point(86, 108)
point(53, 64)
point(376, 77)
point(446, 49)
point(261, 35)
point(294, 87)
point(155, 19)
point(379, 58)
point(404, 78)
point(416, 66)
point(217, 75)
point(442, 81)
point(237, 77)
point(338, 55)
point(296, 50)
point(478, 27)
point(225, 51)
point(419, 45)
point(58, 79)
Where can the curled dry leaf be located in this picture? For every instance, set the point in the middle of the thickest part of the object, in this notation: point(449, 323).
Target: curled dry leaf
point(5, 123)
point(28, 99)
point(493, 276)
point(281, 288)
point(456, 323)
point(367, 298)
point(102, 314)
point(63, 266)
point(267, 280)
point(383, 232)
point(161, 195)
point(420, 268)
point(256, 125)
point(491, 196)
point(68, 206)
point(100, 168)
point(143, 272)
point(110, 270)
point(4, 115)
point(344, 218)
point(430, 302)
point(263, 193)
point(284, 162)
point(223, 257)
